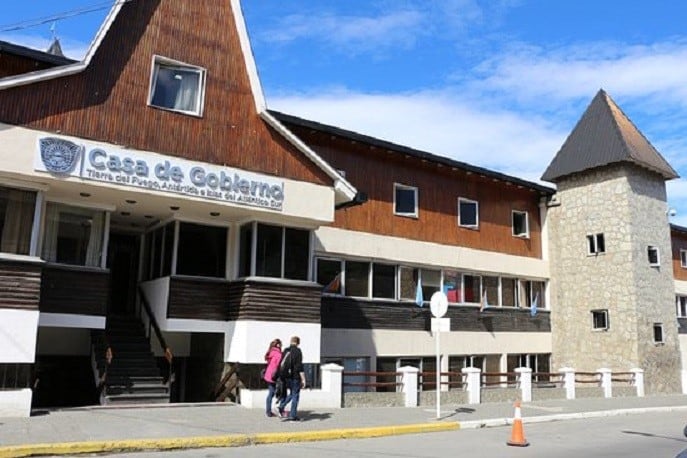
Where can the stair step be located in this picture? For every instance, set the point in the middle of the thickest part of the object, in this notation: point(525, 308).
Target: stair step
point(156, 388)
point(133, 381)
point(136, 398)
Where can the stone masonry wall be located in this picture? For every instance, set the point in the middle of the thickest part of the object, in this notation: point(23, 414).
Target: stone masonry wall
point(628, 206)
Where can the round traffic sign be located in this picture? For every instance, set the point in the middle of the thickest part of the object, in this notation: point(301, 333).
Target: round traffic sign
point(438, 304)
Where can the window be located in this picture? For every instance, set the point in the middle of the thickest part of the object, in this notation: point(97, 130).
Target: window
point(383, 281)
point(16, 220)
point(596, 244)
point(160, 243)
point(177, 86)
point(521, 226)
point(468, 213)
point(328, 273)
point(472, 288)
point(531, 292)
point(280, 252)
point(357, 279)
point(681, 306)
point(408, 277)
point(202, 250)
point(508, 292)
point(658, 333)
point(73, 235)
point(431, 283)
point(653, 255)
point(600, 320)
point(490, 285)
point(405, 200)
point(452, 286)
point(683, 258)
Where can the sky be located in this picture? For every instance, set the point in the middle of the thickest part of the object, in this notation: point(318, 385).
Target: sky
point(494, 83)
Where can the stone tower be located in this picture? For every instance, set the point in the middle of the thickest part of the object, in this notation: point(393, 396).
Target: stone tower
point(612, 290)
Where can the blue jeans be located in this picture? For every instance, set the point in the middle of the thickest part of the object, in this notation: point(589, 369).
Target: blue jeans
point(294, 386)
point(270, 397)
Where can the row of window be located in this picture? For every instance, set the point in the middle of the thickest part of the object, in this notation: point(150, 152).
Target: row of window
point(378, 280)
point(600, 322)
point(596, 244)
point(406, 204)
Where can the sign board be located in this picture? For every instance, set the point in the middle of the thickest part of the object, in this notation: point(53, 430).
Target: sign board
point(438, 304)
point(441, 324)
point(64, 158)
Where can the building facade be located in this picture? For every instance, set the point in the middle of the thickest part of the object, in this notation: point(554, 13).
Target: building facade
point(157, 219)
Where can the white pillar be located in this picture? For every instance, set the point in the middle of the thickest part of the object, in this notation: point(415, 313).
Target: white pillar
point(409, 387)
point(568, 381)
point(638, 381)
point(525, 382)
point(444, 378)
point(473, 384)
point(606, 381)
point(332, 383)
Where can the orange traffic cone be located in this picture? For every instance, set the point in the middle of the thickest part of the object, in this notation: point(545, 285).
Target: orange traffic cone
point(517, 435)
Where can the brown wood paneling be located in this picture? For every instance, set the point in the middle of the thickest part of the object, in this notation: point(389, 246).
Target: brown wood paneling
point(20, 285)
point(108, 101)
point(374, 171)
point(348, 313)
point(267, 301)
point(16, 65)
point(74, 290)
point(678, 241)
point(198, 299)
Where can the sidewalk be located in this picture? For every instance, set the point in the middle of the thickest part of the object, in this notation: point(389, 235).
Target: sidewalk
point(102, 429)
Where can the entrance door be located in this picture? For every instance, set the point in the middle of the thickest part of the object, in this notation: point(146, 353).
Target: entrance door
point(122, 260)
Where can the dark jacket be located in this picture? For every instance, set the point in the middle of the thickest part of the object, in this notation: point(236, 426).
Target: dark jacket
point(296, 361)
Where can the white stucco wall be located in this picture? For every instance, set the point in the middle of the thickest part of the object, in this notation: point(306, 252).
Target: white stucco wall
point(247, 340)
point(15, 403)
point(18, 331)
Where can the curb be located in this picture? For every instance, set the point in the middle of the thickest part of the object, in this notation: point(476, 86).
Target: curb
point(233, 440)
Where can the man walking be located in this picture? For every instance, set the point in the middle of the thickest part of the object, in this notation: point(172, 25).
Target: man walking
point(291, 370)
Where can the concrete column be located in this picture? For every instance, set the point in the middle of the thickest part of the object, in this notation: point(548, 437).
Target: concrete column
point(332, 382)
point(638, 381)
point(409, 387)
point(525, 382)
point(684, 381)
point(473, 382)
point(606, 381)
point(568, 381)
point(444, 368)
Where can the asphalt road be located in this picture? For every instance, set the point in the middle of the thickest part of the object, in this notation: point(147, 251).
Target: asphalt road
point(646, 435)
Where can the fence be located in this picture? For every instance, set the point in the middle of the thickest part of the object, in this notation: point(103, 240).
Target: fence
point(403, 387)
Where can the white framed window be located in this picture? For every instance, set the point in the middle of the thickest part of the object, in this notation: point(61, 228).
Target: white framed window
point(683, 258)
point(73, 235)
point(596, 244)
point(17, 211)
point(653, 256)
point(521, 224)
point(405, 200)
point(267, 250)
point(468, 213)
point(681, 306)
point(329, 274)
point(658, 333)
point(177, 86)
point(600, 320)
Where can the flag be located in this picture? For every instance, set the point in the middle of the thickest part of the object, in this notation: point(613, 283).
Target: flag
point(533, 309)
point(419, 300)
point(334, 285)
point(484, 304)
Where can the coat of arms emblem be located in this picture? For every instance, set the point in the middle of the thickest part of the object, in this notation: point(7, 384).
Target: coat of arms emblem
point(59, 155)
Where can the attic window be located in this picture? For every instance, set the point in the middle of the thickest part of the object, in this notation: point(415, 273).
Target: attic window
point(177, 86)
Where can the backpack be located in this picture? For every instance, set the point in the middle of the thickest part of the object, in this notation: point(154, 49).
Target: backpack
point(286, 365)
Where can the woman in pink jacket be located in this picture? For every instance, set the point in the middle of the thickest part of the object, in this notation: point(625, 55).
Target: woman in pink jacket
point(272, 357)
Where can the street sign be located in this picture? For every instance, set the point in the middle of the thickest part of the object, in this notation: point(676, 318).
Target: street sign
point(438, 304)
point(441, 324)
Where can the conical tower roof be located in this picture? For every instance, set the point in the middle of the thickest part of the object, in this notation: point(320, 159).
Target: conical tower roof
point(55, 48)
point(603, 136)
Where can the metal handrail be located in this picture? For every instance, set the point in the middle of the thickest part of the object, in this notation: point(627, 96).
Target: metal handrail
point(158, 333)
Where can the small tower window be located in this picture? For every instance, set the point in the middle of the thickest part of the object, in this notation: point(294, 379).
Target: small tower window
point(658, 333)
point(596, 244)
point(600, 320)
point(654, 257)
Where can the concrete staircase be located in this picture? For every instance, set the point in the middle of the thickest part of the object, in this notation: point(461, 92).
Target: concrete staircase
point(133, 376)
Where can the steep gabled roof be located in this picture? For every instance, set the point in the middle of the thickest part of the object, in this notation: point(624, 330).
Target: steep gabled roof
point(400, 149)
point(603, 136)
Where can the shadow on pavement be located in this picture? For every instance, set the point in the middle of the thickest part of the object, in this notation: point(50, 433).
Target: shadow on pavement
point(639, 433)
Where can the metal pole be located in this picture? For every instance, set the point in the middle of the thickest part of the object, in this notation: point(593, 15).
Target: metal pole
point(438, 377)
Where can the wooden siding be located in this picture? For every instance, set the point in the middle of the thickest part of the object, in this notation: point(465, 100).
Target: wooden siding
point(74, 290)
point(348, 313)
point(678, 241)
point(375, 171)
point(20, 285)
point(269, 301)
point(16, 65)
point(198, 299)
point(108, 101)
